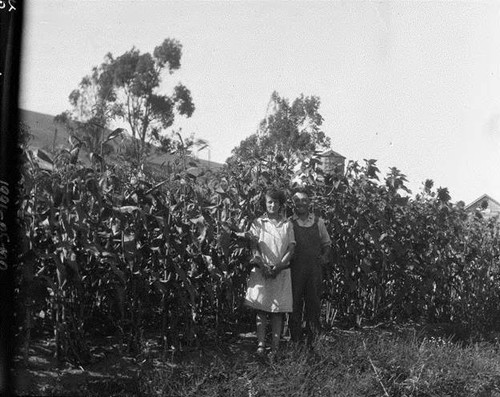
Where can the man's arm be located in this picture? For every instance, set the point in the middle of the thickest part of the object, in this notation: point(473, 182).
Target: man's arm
point(326, 242)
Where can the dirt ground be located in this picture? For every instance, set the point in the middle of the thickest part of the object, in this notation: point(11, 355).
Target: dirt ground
point(42, 375)
point(109, 371)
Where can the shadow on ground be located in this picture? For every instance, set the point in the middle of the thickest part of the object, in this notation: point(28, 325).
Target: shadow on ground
point(110, 372)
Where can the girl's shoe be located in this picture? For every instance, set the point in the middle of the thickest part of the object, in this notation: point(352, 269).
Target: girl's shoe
point(261, 351)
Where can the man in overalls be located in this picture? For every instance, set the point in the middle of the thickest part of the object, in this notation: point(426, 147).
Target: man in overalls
point(311, 252)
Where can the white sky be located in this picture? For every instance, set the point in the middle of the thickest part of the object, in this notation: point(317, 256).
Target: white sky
point(413, 84)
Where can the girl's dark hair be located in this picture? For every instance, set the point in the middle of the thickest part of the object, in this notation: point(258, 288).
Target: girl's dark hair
point(276, 194)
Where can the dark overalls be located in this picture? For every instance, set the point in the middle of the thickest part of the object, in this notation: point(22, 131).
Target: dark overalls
point(306, 280)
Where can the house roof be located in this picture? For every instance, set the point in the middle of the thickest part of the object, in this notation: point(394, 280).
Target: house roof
point(479, 200)
point(330, 152)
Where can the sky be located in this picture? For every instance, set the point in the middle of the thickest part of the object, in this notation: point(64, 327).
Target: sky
point(412, 84)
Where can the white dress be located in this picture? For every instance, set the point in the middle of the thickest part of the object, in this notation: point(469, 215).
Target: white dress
point(271, 294)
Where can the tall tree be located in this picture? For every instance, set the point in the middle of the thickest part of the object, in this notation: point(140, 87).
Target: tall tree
point(127, 88)
point(287, 129)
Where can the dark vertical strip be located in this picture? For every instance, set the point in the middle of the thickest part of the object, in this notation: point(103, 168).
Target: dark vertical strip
point(11, 18)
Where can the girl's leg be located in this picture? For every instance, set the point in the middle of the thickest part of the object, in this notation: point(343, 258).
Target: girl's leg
point(261, 328)
point(276, 322)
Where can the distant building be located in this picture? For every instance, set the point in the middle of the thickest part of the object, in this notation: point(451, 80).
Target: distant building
point(486, 205)
point(332, 162)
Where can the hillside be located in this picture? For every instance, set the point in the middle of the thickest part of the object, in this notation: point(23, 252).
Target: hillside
point(48, 136)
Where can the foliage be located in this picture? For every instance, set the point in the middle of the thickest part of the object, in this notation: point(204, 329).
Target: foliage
point(102, 246)
point(127, 88)
point(136, 76)
point(24, 135)
point(408, 259)
point(113, 249)
point(92, 109)
point(287, 129)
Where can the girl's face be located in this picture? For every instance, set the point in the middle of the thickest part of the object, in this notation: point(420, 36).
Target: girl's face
point(272, 205)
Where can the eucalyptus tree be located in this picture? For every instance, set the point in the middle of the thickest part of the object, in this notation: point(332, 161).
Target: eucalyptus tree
point(288, 128)
point(127, 88)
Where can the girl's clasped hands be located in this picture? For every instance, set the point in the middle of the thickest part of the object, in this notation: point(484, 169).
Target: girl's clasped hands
point(268, 270)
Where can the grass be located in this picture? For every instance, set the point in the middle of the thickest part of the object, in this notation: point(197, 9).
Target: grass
point(374, 363)
point(370, 362)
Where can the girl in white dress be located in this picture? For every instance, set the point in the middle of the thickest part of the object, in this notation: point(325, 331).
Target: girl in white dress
point(269, 286)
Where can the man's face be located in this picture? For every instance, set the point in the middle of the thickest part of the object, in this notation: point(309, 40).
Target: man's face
point(301, 201)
